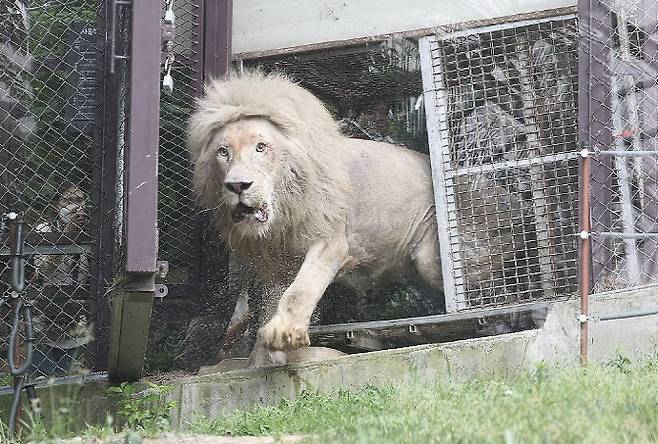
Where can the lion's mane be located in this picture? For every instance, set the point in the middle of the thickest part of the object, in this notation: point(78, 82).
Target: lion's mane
point(311, 194)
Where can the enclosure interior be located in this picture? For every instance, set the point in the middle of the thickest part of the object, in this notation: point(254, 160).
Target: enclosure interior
point(509, 125)
point(501, 134)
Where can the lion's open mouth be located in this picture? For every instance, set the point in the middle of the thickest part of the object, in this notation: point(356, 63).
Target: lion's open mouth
point(243, 211)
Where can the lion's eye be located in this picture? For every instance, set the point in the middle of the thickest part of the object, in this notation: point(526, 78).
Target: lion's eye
point(260, 147)
point(223, 151)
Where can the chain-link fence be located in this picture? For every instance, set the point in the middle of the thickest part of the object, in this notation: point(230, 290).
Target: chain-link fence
point(57, 173)
point(494, 107)
point(621, 109)
point(179, 238)
point(187, 322)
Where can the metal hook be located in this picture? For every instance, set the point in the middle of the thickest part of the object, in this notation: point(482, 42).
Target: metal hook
point(16, 265)
point(170, 17)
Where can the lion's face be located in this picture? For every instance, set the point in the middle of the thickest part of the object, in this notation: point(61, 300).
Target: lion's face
point(248, 155)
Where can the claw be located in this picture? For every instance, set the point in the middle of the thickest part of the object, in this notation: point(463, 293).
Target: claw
point(284, 333)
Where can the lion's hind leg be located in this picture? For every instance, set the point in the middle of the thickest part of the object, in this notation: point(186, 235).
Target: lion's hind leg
point(427, 263)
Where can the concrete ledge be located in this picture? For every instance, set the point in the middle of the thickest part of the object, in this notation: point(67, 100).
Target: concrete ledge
point(556, 343)
point(633, 337)
point(212, 395)
point(75, 401)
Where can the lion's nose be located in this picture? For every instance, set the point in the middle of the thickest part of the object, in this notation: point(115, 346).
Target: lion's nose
point(238, 187)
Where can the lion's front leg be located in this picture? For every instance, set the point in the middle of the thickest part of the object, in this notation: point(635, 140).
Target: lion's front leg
point(288, 328)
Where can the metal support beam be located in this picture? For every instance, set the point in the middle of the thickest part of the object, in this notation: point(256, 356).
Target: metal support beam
point(436, 107)
point(132, 305)
point(131, 316)
point(218, 31)
point(143, 138)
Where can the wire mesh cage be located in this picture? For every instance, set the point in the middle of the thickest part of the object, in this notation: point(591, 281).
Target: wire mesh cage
point(622, 114)
point(51, 171)
point(502, 100)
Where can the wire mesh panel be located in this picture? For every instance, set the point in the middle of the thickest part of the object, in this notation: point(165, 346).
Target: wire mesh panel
point(373, 90)
point(501, 107)
point(179, 241)
point(621, 39)
point(54, 156)
point(195, 311)
point(178, 238)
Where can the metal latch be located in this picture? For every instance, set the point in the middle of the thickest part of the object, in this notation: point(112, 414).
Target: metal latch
point(161, 290)
point(163, 269)
point(168, 32)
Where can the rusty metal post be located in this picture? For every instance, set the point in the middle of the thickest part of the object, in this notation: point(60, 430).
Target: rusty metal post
point(584, 179)
point(585, 252)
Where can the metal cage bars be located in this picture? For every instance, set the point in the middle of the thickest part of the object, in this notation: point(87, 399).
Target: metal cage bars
point(541, 156)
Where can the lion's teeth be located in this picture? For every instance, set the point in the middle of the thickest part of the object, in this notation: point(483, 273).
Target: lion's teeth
point(260, 215)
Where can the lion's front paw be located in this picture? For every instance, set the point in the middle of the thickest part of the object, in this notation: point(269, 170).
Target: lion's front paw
point(284, 332)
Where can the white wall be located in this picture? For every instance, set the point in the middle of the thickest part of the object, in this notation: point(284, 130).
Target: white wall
point(261, 25)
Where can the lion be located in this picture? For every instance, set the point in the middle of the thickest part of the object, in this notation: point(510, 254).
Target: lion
point(304, 205)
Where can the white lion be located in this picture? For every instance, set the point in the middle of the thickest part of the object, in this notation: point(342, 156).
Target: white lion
point(305, 205)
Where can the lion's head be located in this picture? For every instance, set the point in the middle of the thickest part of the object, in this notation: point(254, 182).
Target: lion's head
point(266, 159)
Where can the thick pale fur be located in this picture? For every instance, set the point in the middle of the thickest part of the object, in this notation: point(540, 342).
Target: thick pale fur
point(339, 208)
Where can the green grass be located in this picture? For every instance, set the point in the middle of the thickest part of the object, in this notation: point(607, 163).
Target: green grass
point(617, 403)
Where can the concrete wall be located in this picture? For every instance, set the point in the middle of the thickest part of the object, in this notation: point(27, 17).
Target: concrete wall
point(261, 25)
